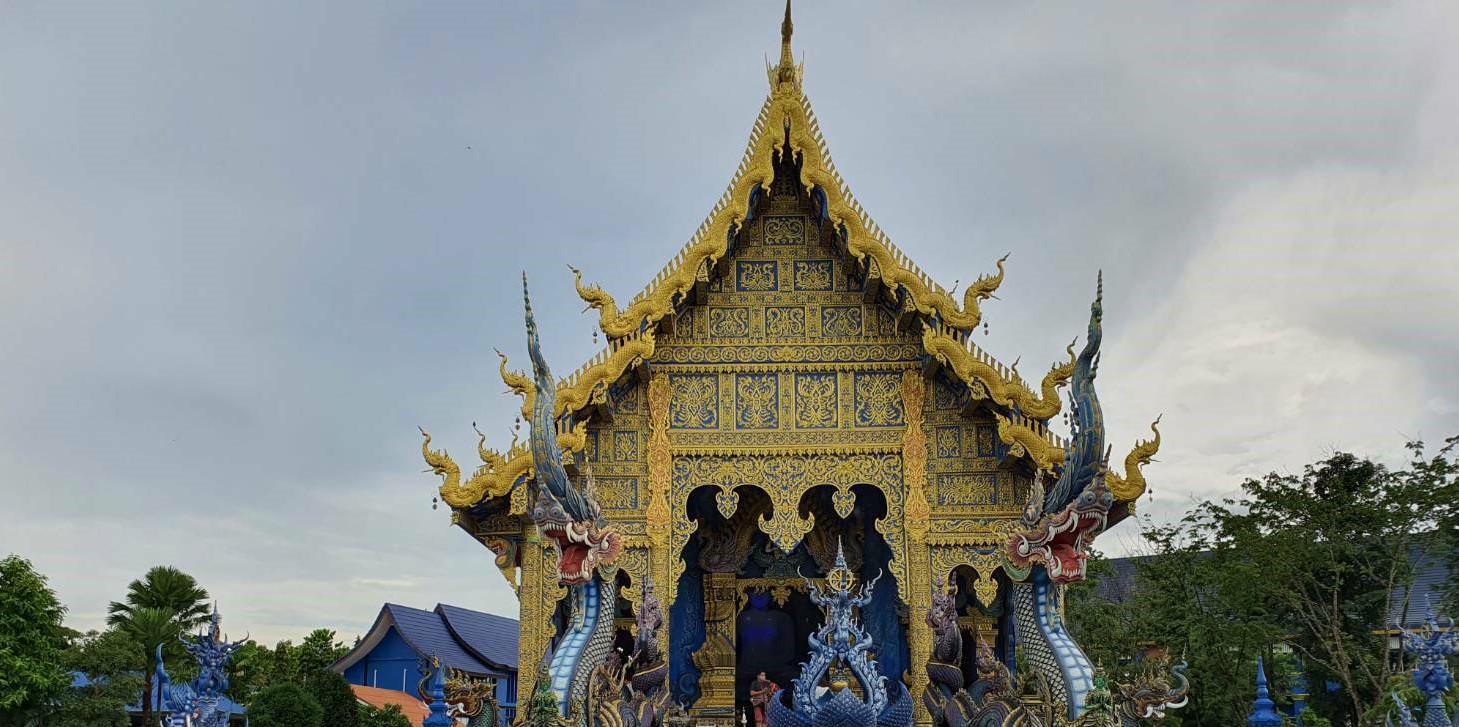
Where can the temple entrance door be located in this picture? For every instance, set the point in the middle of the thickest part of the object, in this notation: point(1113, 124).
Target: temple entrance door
point(771, 634)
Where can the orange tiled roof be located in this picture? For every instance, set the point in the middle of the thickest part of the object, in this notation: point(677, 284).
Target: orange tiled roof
point(414, 709)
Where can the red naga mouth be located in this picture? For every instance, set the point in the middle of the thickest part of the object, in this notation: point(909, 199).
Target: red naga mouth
point(1059, 543)
point(581, 548)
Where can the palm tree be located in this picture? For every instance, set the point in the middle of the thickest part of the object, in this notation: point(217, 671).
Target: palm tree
point(160, 606)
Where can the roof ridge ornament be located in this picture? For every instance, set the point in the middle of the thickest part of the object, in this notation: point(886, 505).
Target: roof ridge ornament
point(787, 71)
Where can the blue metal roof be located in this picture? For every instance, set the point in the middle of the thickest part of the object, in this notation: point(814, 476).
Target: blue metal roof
point(474, 642)
point(1430, 581)
point(491, 638)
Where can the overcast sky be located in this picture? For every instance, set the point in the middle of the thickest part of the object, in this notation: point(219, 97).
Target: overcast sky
point(246, 248)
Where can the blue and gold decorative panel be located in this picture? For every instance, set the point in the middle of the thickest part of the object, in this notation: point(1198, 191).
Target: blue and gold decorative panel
point(625, 446)
point(757, 401)
point(618, 493)
point(944, 395)
point(815, 401)
point(812, 275)
point(878, 399)
point(840, 321)
point(948, 441)
point(757, 276)
point(785, 322)
point(785, 230)
point(693, 401)
point(729, 322)
point(591, 446)
point(985, 440)
point(625, 397)
point(967, 490)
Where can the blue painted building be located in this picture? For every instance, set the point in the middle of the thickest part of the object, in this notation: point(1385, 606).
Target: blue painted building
point(479, 644)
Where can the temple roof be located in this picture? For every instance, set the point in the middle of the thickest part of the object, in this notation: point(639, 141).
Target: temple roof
point(786, 129)
point(478, 643)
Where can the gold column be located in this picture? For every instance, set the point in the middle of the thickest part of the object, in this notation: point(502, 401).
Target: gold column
point(530, 644)
point(657, 517)
point(918, 592)
point(716, 658)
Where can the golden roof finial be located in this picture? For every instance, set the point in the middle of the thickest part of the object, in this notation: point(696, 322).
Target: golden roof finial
point(786, 72)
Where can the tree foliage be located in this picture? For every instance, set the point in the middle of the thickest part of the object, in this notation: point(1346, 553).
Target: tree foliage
point(285, 705)
point(1309, 563)
point(112, 664)
point(335, 697)
point(158, 608)
point(390, 716)
point(32, 640)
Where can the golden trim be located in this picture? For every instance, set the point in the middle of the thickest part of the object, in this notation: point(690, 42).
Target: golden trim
point(1002, 384)
point(1132, 485)
point(1030, 437)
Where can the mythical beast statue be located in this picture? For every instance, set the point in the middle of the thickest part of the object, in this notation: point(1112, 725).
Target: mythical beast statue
point(841, 642)
point(640, 700)
point(1046, 552)
point(197, 703)
point(571, 520)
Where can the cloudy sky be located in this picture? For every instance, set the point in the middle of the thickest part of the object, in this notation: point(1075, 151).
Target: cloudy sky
point(246, 248)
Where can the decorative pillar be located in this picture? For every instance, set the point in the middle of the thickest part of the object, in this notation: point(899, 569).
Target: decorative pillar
point(1263, 710)
point(530, 645)
point(657, 517)
point(716, 658)
point(918, 515)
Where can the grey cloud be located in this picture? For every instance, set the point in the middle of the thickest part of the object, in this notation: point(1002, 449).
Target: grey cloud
point(246, 250)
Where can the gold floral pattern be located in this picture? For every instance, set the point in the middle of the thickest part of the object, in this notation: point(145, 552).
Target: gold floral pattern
point(784, 322)
point(878, 399)
point(729, 322)
point(756, 276)
point(949, 441)
point(757, 401)
point(966, 489)
point(695, 401)
point(812, 275)
point(625, 446)
point(840, 321)
point(618, 493)
point(815, 401)
point(781, 230)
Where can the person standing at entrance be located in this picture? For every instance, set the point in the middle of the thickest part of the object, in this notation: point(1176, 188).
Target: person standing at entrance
point(762, 690)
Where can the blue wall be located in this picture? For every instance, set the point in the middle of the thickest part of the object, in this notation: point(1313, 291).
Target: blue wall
point(392, 664)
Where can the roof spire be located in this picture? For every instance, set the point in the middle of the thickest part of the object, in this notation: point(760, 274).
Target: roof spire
point(786, 71)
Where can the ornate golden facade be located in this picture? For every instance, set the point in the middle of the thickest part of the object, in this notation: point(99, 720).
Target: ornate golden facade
point(789, 348)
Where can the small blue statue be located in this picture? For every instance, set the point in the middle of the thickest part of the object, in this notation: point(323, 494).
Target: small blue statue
point(195, 704)
point(1432, 646)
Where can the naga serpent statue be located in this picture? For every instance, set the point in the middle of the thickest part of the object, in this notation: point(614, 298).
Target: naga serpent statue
point(1045, 553)
point(197, 703)
point(573, 523)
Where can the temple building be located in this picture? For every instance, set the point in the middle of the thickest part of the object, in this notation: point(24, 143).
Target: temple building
point(790, 383)
point(385, 665)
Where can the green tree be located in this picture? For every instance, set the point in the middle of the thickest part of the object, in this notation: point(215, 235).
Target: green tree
point(285, 705)
point(32, 640)
point(335, 697)
point(112, 664)
point(318, 650)
point(158, 608)
point(390, 716)
point(1311, 561)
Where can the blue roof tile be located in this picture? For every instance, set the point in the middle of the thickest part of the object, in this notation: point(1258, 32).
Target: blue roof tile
point(493, 639)
point(427, 633)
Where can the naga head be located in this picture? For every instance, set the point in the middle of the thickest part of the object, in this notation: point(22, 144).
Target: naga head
point(1060, 521)
point(569, 518)
point(1151, 693)
point(1060, 541)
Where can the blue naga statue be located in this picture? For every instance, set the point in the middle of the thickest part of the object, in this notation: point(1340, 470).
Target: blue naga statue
point(1046, 551)
point(571, 520)
point(196, 703)
point(841, 643)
